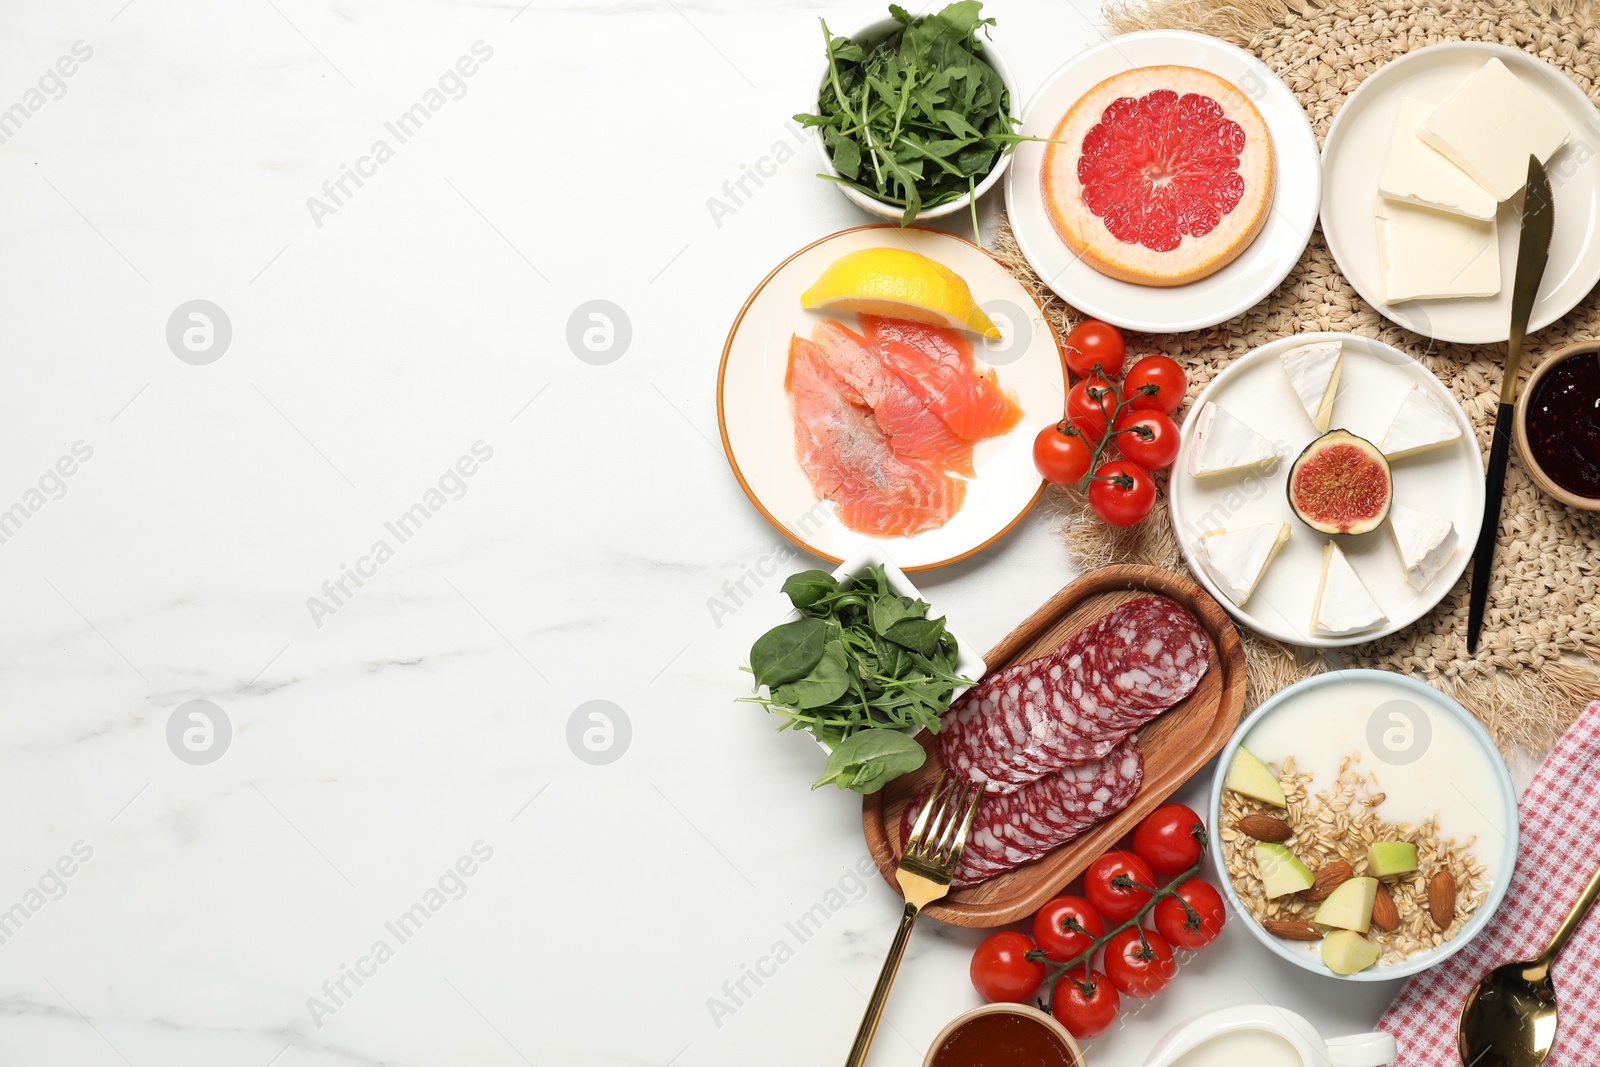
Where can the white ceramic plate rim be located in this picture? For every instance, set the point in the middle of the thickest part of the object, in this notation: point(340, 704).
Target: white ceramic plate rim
point(1136, 306)
point(1506, 793)
point(1442, 582)
point(1435, 321)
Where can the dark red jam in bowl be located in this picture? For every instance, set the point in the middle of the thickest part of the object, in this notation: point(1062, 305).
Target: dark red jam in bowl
point(1564, 424)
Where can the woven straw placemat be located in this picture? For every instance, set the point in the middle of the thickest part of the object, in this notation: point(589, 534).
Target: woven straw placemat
point(1538, 663)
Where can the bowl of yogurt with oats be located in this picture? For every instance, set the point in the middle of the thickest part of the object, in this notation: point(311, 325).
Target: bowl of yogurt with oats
point(1366, 825)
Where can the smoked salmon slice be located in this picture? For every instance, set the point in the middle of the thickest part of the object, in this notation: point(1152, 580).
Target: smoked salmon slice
point(937, 366)
point(849, 460)
point(914, 429)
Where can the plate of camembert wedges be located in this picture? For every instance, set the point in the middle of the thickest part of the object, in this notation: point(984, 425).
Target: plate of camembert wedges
point(1423, 173)
point(1328, 491)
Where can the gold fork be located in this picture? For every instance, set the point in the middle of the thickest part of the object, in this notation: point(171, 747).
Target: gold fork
point(932, 851)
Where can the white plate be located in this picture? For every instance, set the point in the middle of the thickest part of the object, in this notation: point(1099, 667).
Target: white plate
point(1230, 291)
point(1353, 156)
point(1447, 481)
point(758, 426)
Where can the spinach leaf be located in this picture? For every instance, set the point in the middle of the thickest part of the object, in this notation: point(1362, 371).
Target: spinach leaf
point(822, 685)
point(865, 762)
point(808, 587)
point(919, 635)
point(788, 652)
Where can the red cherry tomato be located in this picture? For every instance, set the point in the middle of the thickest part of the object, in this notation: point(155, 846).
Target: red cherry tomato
point(1139, 968)
point(1094, 345)
point(1117, 902)
point(1001, 970)
point(1184, 930)
point(1092, 412)
point(1062, 453)
point(1168, 839)
point(1148, 438)
point(1161, 372)
point(1085, 1014)
point(1122, 493)
point(1052, 935)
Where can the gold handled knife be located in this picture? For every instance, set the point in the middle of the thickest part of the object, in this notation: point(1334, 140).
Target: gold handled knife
point(1533, 252)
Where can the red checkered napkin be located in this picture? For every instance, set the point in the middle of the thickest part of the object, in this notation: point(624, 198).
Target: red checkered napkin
point(1559, 849)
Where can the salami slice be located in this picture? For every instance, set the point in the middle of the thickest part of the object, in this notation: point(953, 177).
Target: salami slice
point(1077, 703)
point(1022, 826)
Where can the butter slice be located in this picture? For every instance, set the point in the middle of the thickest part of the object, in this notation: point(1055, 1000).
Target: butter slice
point(1490, 126)
point(1414, 173)
point(1427, 254)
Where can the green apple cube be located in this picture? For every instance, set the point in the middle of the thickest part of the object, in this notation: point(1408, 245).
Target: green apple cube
point(1346, 952)
point(1391, 857)
point(1349, 907)
point(1249, 776)
point(1282, 872)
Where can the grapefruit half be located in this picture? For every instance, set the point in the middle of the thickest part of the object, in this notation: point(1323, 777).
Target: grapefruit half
point(1162, 176)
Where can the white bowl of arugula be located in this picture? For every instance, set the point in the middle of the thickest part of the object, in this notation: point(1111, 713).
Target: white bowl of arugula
point(943, 134)
point(862, 663)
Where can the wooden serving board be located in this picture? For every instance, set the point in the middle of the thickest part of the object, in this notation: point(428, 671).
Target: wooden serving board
point(1176, 744)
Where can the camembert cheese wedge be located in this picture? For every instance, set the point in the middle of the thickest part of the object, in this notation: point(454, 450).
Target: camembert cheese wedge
point(1313, 372)
point(1343, 604)
point(1416, 173)
point(1421, 424)
point(1428, 255)
point(1222, 443)
point(1425, 542)
point(1238, 558)
point(1490, 126)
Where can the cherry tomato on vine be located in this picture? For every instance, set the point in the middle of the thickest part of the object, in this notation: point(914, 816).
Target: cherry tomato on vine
point(1051, 933)
point(1001, 970)
point(1122, 494)
point(1175, 923)
point(1148, 438)
point(1139, 968)
point(1062, 454)
point(1093, 342)
point(1117, 903)
point(1085, 1014)
point(1168, 839)
point(1159, 371)
point(1092, 412)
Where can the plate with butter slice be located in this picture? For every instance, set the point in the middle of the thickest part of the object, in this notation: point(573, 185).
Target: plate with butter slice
point(1255, 545)
point(1422, 188)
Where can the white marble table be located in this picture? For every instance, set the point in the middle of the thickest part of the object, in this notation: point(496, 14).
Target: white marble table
point(374, 509)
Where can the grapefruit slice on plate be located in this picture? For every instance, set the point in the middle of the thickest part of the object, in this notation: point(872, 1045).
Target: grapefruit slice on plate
point(1162, 176)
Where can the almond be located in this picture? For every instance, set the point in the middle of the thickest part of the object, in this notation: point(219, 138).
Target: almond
point(1265, 828)
point(1327, 878)
point(1291, 930)
point(1385, 915)
point(1442, 899)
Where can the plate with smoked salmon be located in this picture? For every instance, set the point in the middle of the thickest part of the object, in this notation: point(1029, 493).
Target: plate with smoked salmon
point(885, 385)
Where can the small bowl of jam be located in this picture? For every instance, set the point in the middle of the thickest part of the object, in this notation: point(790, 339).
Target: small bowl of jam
point(1558, 425)
point(1004, 1035)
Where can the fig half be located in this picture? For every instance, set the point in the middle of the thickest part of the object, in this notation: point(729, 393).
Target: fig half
point(1341, 484)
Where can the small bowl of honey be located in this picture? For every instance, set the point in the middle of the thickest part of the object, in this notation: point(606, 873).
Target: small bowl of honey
point(1558, 425)
point(1002, 1035)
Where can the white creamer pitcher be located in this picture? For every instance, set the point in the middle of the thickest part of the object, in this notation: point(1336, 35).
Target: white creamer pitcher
point(1260, 1035)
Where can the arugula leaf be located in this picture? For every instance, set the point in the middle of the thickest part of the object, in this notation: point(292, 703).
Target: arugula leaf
point(867, 761)
point(788, 652)
point(894, 114)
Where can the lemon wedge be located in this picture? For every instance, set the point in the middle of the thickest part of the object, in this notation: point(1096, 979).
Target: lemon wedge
point(895, 283)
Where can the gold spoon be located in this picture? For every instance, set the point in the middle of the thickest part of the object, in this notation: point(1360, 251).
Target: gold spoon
point(1509, 1020)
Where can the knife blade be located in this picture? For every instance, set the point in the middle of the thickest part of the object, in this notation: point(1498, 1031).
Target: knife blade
point(1533, 253)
